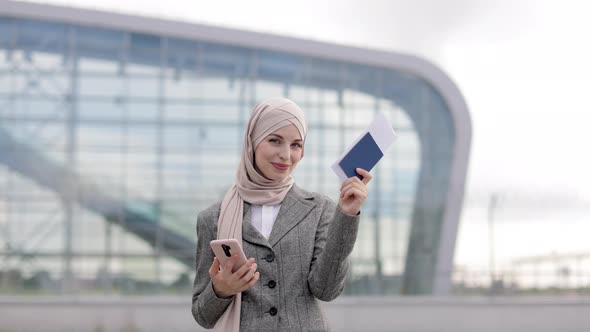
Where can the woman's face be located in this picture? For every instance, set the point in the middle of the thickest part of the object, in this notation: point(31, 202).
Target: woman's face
point(278, 153)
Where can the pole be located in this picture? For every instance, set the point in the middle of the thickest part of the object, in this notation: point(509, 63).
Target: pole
point(491, 210)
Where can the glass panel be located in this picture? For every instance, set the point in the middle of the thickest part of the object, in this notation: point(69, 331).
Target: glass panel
point(98, 85)
point(92, 109)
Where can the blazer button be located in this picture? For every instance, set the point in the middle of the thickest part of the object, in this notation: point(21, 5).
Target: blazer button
point(270, 257)
point(272, 284)
point(273, 311)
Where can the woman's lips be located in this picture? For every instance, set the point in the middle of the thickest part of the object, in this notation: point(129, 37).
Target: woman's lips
point(281, 167)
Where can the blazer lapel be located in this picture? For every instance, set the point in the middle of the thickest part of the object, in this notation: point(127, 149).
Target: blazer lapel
point(249, 232)
point(294, 209)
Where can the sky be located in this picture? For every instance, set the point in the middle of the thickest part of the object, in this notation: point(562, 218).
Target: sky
point(523, 69)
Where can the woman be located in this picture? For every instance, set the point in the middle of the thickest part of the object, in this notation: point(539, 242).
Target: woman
point(298, 241)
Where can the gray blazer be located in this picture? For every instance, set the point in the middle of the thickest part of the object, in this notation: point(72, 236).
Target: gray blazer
point(304, 259)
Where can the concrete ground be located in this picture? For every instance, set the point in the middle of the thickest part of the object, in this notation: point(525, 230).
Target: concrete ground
point(159, 314)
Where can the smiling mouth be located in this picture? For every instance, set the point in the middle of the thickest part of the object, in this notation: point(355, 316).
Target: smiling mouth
point(281, 167)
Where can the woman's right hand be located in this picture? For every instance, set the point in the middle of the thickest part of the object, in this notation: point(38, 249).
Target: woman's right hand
point(227, 284)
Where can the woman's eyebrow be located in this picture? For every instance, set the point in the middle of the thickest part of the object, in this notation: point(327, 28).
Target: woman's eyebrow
point(281, 137)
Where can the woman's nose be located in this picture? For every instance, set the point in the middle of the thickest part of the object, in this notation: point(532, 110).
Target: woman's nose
point(284, 153)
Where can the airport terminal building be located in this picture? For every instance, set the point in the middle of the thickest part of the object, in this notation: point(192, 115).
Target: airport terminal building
point(116, 130)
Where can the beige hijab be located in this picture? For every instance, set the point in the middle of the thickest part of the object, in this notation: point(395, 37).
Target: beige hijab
point(250, 186)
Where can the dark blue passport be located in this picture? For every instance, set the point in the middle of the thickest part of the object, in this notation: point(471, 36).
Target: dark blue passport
point(365, 154)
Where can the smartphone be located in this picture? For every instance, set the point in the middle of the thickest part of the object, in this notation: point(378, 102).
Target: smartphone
point(224, 249)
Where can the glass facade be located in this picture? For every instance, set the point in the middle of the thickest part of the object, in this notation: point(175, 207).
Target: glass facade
point(111, 142)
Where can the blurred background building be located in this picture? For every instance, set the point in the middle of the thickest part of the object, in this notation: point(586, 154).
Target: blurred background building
point(116, 130)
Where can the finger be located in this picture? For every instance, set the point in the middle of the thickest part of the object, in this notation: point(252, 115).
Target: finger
point(353, 184)
point(249, 273)
point(229, 265)
point(355, 193)
point(365, 174)
point(214, 269)
point(251, 282)
point(350, 180)
point(240, 272)
point(349, 184)
point(359, 186)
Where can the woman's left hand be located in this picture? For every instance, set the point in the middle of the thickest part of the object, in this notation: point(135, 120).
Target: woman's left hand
point(353, 193)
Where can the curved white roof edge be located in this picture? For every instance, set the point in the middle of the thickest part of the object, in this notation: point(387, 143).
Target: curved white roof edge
point(387, 60)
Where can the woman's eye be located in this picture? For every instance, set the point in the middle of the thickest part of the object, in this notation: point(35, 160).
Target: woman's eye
point(273, 140)
point(297, 145)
